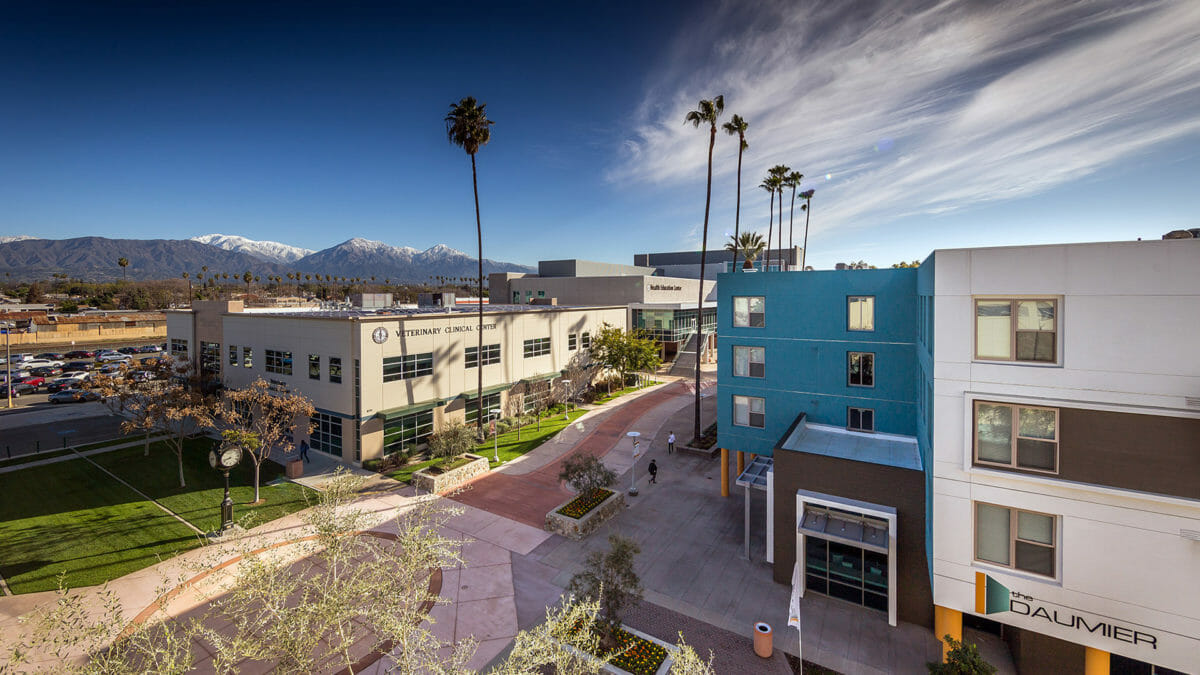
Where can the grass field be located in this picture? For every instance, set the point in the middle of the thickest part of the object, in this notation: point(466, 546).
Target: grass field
point(509, 447)
point(70, 517)
point(199, 503)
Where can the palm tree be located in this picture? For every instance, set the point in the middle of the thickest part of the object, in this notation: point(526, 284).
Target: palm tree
point(706, 112)
point(792, 180)
point(751, 245)
point(768, 184)
point(738, 126)
point(468, 127)
point(807, 209)
point(123, 262)
point(247, 277)
point(185, 276)
point(779, 172)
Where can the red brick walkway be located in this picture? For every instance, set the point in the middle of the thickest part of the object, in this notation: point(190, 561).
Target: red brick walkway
point(528, 498)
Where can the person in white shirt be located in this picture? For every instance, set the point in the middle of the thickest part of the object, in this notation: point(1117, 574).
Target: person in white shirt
point(671, 442)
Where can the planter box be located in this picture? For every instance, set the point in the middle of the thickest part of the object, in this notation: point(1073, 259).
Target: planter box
point(701, 452)
point(295, 468)
point(441, 482)
point(663, 669)
point(578, 528)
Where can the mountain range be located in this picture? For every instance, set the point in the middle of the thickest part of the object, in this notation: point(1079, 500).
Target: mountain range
point(95, 258)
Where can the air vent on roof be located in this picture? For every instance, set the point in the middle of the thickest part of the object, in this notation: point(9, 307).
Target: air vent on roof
point(1190, 534)
point(1192, 401)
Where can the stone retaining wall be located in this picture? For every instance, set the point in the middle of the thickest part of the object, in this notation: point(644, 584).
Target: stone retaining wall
point(441, 482)
point(572, 528)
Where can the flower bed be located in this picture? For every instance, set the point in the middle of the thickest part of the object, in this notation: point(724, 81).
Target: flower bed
point(638, 655)
point(581, 505)
point(437, 482)
point(592, 514)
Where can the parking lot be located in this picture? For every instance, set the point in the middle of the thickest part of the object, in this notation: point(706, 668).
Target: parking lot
point(40, 426)
point(39, 397)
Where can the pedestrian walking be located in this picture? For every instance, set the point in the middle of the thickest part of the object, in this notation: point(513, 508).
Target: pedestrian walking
point(653, 472)
point(304, 451)
point(670, 442)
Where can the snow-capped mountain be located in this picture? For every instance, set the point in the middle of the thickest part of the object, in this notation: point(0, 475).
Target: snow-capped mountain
point(16, 237)
point(271, 251)
point(375, 258)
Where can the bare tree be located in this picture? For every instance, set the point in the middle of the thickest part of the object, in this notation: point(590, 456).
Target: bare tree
point(272, 416)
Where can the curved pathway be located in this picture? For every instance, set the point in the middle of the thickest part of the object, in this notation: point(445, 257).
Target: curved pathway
point(527, 498)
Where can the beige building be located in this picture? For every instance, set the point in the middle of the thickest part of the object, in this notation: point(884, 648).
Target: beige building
point(384, 380)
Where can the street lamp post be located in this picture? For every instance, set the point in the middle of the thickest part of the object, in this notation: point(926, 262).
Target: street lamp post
point(633, 491)
point(566, 385)
point(8, 326)
point(493, 416)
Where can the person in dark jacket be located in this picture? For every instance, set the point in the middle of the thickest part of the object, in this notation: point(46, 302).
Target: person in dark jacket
point(653, 472)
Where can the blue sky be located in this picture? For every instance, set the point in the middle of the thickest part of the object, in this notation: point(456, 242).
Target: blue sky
point(919, 124)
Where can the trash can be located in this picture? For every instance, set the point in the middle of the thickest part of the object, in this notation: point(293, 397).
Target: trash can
point(295, 469)
point(763, 640)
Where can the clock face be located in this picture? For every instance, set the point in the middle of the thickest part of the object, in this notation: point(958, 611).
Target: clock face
point(230, 457)
point(379, 335)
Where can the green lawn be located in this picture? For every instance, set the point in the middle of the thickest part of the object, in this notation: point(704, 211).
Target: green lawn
point(199, 503)
point(34, 457)
point(621, 392)
point(510, 448)
point(70, 517)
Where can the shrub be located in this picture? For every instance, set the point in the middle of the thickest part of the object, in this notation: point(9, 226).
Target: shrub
point(962, 659)
point(585, 473)
point(610, 579)
point(455, 439)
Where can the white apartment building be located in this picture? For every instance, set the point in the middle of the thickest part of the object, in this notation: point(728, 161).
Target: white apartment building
point(384, 380)
point(1066, 439)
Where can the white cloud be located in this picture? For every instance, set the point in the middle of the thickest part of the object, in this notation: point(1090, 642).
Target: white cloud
point(919, 108)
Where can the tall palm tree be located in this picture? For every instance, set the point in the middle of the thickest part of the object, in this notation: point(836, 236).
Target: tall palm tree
point(706, 112)
point(793, 181)
point(737, 125)
point(751, 244)
point(768, 184)
point(779, 172)
point(123, 262)
point(807, 208)
point(247, 277)
point(468, 127)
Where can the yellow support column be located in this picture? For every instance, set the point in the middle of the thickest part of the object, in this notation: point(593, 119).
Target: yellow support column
point(1095, 661)
point(724, 472)
point(947, 621)
point(741, 462)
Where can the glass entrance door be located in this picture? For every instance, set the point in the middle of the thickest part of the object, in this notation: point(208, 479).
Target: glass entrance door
point(846, 572)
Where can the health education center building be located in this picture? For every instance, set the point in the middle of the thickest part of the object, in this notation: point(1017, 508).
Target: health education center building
point(385, 379)
point(1005, 438)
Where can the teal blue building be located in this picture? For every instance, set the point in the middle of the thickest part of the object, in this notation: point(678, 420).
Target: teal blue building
point(823, 379)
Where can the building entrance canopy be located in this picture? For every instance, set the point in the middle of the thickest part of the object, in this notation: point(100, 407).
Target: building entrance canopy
point(843, 526)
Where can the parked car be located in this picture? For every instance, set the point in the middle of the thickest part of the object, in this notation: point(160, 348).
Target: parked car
point(16, 372)
point(38, 363)
point(34, 381)
point(73, 396)
point(67, 381)
point(80, 354)
point(128, 350)
point(148, 349)
point(46, 371)
point(50, 356)
point(139, 376)
point(112, 368)
point(114, 356)
point(79, 365)
point(18, 388)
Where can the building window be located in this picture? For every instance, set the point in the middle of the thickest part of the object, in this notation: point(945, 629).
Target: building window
point(407, 432)
point(536, 394)
point(210, 357)
point(233, 355)
point(278, 362)
point(1021, 540)
point(861, 312)
point(749, 362)
point(585, 340)
point(541, 294)
point(179, 347)
point(749, 311)
point(327, 433)
point(1032, 337)
point(749, 411)
point(489, 401)
point(861, 367)
point(335, 369)
point(860, 419)
point(314, 367)
point(407, 367)
point(247, 357)
point(1015, 436)
point(572, 342)
point(491, 355)
point(537, 347)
